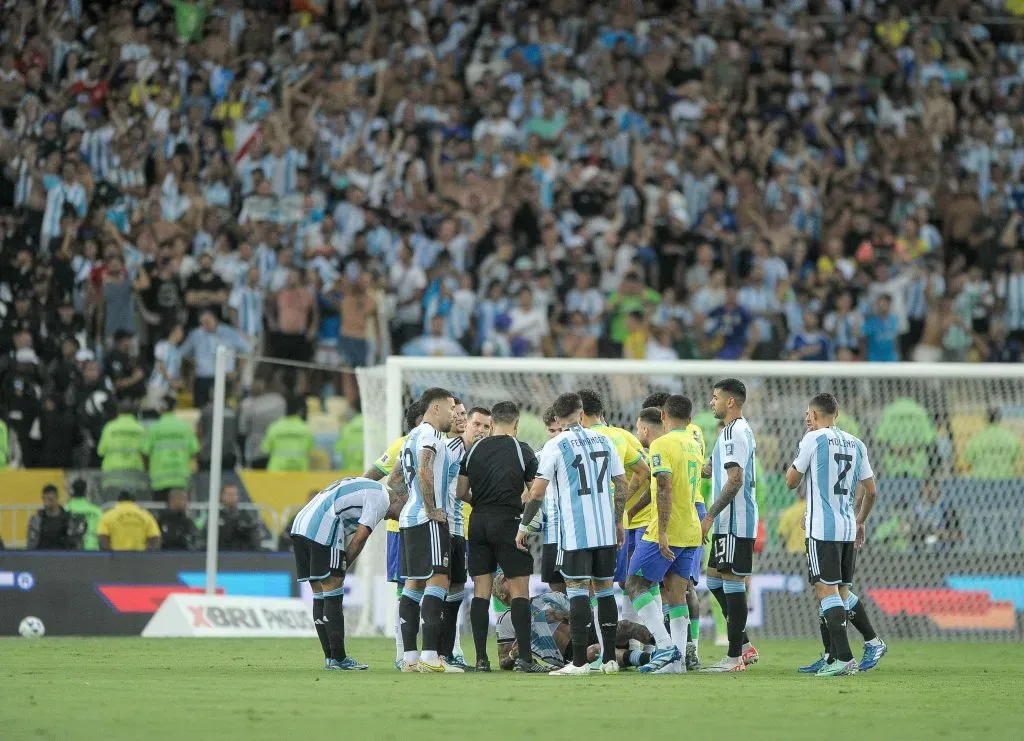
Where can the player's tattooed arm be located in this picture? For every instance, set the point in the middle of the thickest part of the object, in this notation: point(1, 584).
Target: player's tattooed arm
point(462, 490)
point(705, 473)
point(425, 479)
point(639, 504)
point(731, 487)
point(627, 631)
point(396, 482)
point(621, 487)
point(664, 479)
point(641, 477)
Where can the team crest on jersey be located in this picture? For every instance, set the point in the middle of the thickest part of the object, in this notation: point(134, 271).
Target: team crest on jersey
point(385, 458)
point(444, 561)
point(656, 459)
point(728, 448)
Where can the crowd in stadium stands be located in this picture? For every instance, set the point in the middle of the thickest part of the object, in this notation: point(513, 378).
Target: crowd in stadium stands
point(337, 181)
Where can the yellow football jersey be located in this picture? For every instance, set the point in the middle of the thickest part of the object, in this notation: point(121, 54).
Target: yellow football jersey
point(630, 453)
point(677, 453)
point(385, 464)
point(698, 435)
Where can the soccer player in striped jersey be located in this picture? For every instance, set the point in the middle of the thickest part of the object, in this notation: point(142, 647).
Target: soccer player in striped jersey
point(733, 514)
point(840, 488)
point(582, 466)
point(422, 471)
point(657, 401)
point(382, 467)
point(671, 541)
point(633, 459)
point(327, 535)
point(547, 518)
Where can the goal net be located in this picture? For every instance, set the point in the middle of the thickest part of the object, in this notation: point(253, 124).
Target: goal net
point(943, 558)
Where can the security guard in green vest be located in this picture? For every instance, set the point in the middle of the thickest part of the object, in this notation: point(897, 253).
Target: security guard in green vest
point(289, 441)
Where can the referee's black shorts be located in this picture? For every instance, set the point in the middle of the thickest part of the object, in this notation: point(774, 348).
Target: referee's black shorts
point(492, 543)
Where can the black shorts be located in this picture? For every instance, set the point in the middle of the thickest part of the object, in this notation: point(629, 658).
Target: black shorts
point(732, 554)
point(492, 543)
point(314, 561)
point(591, 563)
point(549, 573)
point(430, 549)
point(830, 562)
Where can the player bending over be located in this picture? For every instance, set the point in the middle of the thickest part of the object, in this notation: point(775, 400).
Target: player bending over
point(672, 540)
point(833, 465)
point(328, 534)
point(382, 467)
point(583, 465)
point(550, 636)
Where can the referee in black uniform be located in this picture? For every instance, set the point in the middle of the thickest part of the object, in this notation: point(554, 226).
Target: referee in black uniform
point(492, 477)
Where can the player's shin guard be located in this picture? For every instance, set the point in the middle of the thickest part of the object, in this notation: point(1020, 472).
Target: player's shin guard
point(432, 611)
point(409, 615)
point(835, 616)
point(334, 621)
point(522, 623)
point(450, 622)
point(693, 606)
point(580, 617)
point(679, 624)
point(318, 623)
point(736, 616)
point(650, 614)
point(857, 613)
point(608, 621)
point(480, 619)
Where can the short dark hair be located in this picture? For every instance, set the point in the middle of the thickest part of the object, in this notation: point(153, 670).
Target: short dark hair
point(678, 406)
point(432, 394)
point(413, 412)
point(734, 387)
point(50, 489)
point(826, 404)
point(293, 405)
point(457, 400)
point(548, 417)
point(505, 413)
point(479, 410)
point(995, 414)
point(657, 399)
point(126, 496)
point(592, 404)
point(566, 405)
point(652, 416)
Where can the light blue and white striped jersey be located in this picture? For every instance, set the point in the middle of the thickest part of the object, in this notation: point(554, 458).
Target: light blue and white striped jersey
point(549, 512)
point(424, 437)
point(59, 195)
point(833, 462)
point(456, 520)
point(248, 302)
point(1010, 288)
point(917, 299)
point(95, 149)
point(735, 446)
point(579, 465)
point(332, 517)
point(542, 632)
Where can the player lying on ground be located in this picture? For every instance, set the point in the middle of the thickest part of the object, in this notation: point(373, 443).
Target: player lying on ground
point(327, 536)
point(833, 465)
point(550, 637)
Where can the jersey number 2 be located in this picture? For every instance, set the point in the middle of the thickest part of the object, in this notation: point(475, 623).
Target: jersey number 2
point(577, 463)
point(845, 463)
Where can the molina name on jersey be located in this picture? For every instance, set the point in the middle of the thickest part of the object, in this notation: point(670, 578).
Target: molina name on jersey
point(833, 463)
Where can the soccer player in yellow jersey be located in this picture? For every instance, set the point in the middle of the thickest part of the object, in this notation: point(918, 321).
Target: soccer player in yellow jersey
point(632, 455)
point(657, 400)
point(381, 469)
point(671, 543)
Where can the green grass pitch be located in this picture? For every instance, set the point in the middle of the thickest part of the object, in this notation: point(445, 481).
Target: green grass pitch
point(134, 689)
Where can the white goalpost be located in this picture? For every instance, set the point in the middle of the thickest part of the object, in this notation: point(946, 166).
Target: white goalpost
point(947, 536)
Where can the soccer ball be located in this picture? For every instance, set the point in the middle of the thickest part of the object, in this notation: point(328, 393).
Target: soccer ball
point(32, 627)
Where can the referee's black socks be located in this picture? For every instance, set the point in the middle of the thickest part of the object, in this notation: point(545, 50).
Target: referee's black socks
point(409, 617)
point(479, 618)
point(321, 627)
point(579, 623)
point(835, 616)
point(334, 621)
point(432, 611)
point(522, 624)
point(608, 617)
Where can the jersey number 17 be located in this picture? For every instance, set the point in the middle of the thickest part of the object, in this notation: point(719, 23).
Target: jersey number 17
point(581, 469)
